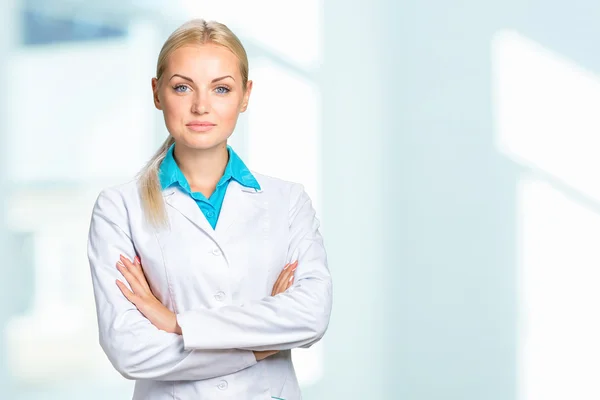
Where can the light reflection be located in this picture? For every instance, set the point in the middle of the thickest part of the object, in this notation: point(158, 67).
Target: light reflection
point(547, 121)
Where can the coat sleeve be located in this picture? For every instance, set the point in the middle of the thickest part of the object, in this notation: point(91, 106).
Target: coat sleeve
point(135, 347)
point(298, 317)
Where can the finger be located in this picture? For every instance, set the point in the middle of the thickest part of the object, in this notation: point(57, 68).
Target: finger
point(126, 292)
point(136, 271)
point(130, 265)
point(276, 288)
point(289, 283)
point(277, 283)
point(131, 279)
point(286, 274)
point(289, 272)
point(282, 283)
point(142, 275)
point(137, 263)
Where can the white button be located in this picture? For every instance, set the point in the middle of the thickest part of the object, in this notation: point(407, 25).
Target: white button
point(216, 252)
point(222, 385)
point(220, 296)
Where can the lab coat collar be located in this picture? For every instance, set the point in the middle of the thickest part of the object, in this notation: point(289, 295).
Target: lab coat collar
point(240, 203)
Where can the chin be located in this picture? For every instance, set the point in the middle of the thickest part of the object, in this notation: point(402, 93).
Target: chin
point(205, 142)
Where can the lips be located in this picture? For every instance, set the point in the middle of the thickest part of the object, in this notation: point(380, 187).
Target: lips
point(200, 126)
point(200, 123)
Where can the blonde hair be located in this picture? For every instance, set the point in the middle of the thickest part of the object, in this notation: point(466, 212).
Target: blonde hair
point(194, 32)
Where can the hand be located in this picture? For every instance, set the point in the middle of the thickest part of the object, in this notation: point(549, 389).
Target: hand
point(143, 298)
point(285, 279)
point(283, 283)
point(261, 355)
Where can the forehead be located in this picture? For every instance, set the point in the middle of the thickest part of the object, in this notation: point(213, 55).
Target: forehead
point(208, 60)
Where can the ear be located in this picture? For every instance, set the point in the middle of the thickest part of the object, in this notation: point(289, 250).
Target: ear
point(246, 98)
point(155, 94)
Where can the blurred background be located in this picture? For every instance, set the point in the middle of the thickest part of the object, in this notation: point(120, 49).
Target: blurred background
point(450, 148)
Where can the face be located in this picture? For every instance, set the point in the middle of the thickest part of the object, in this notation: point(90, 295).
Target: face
point(201, 95)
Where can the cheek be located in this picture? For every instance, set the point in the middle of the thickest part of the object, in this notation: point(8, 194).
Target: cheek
point(227, 110)
point(174, 109)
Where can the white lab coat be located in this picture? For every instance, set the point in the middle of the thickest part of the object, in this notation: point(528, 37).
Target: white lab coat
point(219, 284)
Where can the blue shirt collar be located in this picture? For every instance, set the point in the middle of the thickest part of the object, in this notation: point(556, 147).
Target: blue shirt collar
point(169, 172)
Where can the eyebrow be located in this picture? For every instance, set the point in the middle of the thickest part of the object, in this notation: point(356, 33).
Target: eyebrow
point(213, 81)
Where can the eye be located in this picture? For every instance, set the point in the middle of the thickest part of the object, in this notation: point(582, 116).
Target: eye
point(180, 88)
point(222, 90)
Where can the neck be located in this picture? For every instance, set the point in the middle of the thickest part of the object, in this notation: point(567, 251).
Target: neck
point(202, 168)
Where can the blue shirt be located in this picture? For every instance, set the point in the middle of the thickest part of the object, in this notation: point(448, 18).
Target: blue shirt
point(169, 174)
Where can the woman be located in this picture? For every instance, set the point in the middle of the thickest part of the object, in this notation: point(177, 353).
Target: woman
point(205, 274)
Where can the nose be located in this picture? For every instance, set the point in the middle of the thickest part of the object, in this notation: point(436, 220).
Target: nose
point(201, 103)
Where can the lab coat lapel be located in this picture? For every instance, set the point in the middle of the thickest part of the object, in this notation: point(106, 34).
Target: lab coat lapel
point(183, 203)
point(240, 204)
